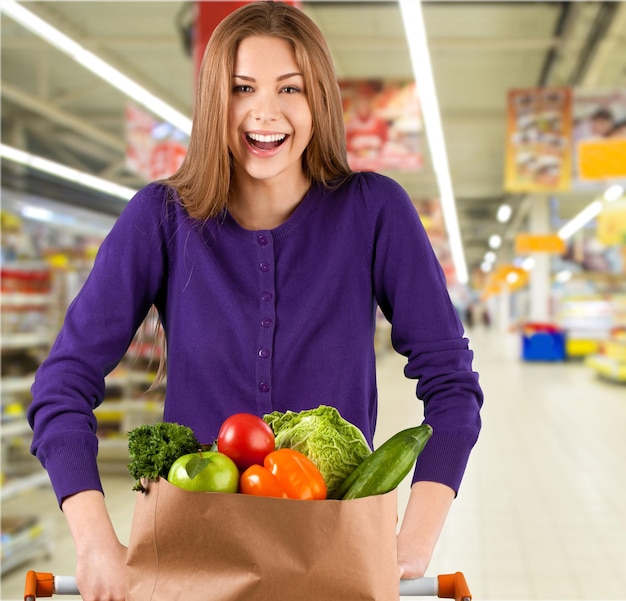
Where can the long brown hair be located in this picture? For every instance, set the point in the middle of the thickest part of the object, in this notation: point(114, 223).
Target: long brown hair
point(203, 181)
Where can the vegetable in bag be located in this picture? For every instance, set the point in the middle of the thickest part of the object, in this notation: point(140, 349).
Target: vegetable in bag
point(336, 446)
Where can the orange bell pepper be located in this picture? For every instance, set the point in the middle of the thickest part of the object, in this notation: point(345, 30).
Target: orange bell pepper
point(297, 474)
point(257, 480)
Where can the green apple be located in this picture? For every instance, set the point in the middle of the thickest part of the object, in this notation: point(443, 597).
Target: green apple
point(207, 471)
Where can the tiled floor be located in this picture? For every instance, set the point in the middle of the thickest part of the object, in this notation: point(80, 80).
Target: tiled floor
point(541, 513)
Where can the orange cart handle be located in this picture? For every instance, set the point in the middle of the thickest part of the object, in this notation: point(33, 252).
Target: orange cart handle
point(445, 586)
point(453, 586)
point(44, 584)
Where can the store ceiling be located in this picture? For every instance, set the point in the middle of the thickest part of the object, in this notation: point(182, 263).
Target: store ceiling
point(55, 108)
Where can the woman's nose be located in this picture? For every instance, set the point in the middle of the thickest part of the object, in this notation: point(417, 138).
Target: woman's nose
point(266, 108)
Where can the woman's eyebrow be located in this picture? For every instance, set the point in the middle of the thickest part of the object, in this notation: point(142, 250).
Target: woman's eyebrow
point(279, 78)
point(288, 75)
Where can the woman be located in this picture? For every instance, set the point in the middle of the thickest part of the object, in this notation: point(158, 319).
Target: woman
point(266, 259)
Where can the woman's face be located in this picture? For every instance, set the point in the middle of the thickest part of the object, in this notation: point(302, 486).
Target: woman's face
point(270, 122)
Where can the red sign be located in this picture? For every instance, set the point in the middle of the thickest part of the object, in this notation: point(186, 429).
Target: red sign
point(209, 13)
point(383, 125)
point(154, 149)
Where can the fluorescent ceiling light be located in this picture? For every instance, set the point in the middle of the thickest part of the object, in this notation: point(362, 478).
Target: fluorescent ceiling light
point(67, 173)
point(585, 216)
point(563, 276)
point(613, 193)
point(415, 30)
point(512, 277)
point(504, 213)
point(37, 213)
point(528, 263)
point(490, 257)
point(495, 241)
point(95, 64)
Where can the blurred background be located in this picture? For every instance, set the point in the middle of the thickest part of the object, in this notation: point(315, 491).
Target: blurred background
point(506, 124)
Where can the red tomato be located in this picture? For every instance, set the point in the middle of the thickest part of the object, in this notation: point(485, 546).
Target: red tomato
point(246, 439)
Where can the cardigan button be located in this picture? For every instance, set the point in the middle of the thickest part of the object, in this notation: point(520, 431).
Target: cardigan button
point(266, 322)
point(264, 387)
point(264, 353)
point(266, 296)
point(264, 267)
point(262, 240)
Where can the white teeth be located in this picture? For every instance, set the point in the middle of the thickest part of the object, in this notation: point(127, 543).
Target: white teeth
point(269, 138)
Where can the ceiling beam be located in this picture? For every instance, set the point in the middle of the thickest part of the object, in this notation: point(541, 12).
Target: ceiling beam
point(585, 68)
point(606, 47)
point(31, 103)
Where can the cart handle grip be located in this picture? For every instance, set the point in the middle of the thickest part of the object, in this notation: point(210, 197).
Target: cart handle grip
point(444, 586)
point(44, 584)
point(453, 586)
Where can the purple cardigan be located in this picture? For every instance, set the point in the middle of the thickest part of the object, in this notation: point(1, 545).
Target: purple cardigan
point(259, 321)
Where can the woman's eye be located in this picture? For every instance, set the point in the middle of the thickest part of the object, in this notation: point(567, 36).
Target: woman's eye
point(291, 90)
point(242, 89)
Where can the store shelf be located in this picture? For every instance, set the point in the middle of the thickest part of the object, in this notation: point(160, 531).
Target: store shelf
point(610, 361)
point(27, 340)
point(18, 427)
point(20, 299)
point(588, 321)
point(23, 539)
point(607, 367)
point(16, 385)
point(15, 487)
point(34, 298)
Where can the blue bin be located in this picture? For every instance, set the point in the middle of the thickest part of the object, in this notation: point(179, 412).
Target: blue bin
point(543, 346)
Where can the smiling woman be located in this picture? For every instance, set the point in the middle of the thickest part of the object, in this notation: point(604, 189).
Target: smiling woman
point(238, 52)
point(266, 259)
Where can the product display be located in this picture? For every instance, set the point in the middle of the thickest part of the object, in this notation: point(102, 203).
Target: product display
point(39, 277)
point(610, 361)
point(26, 335)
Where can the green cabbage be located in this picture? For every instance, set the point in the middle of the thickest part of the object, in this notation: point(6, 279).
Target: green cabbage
point(332, 443)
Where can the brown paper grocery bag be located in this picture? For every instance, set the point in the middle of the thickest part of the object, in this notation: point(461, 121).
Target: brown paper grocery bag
point(235, 547)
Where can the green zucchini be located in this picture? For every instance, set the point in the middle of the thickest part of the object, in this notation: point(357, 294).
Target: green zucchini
point(387, 466)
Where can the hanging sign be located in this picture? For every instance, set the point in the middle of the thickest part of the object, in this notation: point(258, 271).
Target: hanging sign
point(539, 243)
point(383, 125)
point(599, 138)
point(538, 149)
point(154, 149)
point(611, 228)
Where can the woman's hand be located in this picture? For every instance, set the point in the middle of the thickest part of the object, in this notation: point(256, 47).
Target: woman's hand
point(100, 573)
point(100, 557)
point(423, 521)
point(412, 568)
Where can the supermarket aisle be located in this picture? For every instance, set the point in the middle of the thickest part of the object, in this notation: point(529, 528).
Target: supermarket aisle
point(541, 513)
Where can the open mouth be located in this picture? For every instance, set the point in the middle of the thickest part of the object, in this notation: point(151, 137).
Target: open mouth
point(265, 141)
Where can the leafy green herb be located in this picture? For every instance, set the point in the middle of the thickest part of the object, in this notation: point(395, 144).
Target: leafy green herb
point(153, 449)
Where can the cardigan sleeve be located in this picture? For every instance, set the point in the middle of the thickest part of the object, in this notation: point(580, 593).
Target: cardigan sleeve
point(98, 328)
point(411, 290)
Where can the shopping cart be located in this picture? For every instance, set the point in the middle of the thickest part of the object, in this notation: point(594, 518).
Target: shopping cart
point(444, 586)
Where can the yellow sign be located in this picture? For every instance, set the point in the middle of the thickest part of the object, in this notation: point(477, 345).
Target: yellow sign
point(539, 243)
point(602, 159)
point(505, 277)
point(612, 223)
